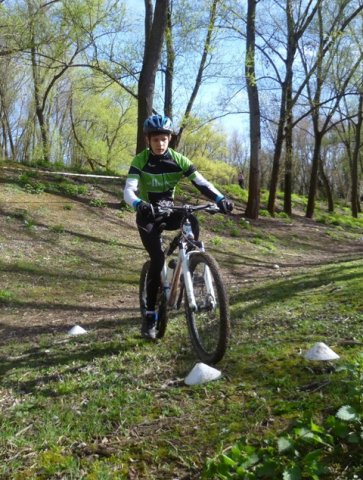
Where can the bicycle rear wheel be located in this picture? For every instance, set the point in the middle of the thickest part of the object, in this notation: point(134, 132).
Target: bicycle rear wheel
point(161, 301)
point(209, 325)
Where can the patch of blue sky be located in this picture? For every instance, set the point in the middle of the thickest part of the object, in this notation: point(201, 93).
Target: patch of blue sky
point(222, 95)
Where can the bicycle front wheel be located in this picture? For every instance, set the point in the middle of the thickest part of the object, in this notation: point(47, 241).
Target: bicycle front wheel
point(209, 324)
point(161, 301)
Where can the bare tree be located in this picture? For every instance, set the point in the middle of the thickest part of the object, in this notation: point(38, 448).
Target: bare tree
point(355, 159)
point(201, 71)
point(155, 25)
point(350, 132)
point(253, 203)
point(295, 30)
point(326, 60)
point(169, 68)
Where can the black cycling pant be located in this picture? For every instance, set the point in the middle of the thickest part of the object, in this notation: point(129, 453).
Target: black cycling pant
point(150, 237)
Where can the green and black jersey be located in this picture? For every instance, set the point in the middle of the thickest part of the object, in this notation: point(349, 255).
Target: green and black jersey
point(153, 178)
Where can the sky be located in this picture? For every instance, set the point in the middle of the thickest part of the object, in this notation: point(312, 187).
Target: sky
point(209, 93)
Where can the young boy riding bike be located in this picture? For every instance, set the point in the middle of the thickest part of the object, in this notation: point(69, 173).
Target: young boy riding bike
point(151, 181)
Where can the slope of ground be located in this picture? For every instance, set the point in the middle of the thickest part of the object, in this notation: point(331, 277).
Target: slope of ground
point(70, 254)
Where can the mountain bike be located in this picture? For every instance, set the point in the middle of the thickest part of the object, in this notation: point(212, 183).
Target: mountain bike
point(193, 278)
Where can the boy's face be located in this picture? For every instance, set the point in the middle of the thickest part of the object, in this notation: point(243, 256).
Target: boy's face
point(159, 143)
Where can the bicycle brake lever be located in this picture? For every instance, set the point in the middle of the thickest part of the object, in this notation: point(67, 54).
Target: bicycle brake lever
point(213, 209)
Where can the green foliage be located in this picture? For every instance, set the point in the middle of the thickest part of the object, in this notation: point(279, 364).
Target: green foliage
point(236, 192)
point(299, 200)
point(54, 462)
point(307, 449)
point(98, 202)
point(264, 240)
point(70, 188)
point(5, 296)
point(282, 215)
point(264, 213)
point(216, 241)
point(265, 195)
point(216, 171)
point(30, 184)
point(106, 124)
point(341, 220)
point(207, 148)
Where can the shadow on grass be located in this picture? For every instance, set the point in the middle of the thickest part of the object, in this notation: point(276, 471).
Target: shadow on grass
point(68, 196)
point(239, 259)
point(79, 235)
point(279, 290)
point(64, 351)
point(27, 332)
point(21, 267)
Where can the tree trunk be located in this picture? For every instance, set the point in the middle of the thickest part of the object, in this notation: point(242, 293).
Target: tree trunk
point(328, 191)
point(253, 202)
point(288, 167)
point(7, 133)
point(291, 50)
point(356, 153)
point(169, 69)
point(277, 154)
point(314, 176)
point(39, 108)
point(155, 26)
point(295, 29)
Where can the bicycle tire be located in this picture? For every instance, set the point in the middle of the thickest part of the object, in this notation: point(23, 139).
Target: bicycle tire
point(161, 301)
point(209, 328)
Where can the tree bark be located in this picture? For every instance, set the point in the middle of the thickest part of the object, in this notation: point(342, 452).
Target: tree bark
point(314, 175)
point(328, 191)
point(155, 26)
point(277, 154)
point(253, 202)
point(39, 110)
point(7, 133)
point(169, 68)
point(356, 153)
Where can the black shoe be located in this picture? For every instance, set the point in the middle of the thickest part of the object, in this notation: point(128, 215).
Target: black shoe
point(148, 327)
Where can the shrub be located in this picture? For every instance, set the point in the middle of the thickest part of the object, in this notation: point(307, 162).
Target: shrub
point(98, 202)
point(306, 449)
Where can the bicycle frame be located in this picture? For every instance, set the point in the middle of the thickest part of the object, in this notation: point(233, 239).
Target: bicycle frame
point(182, 268)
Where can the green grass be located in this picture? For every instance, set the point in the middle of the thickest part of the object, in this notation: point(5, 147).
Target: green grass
point(67, 398)
point(107, 405)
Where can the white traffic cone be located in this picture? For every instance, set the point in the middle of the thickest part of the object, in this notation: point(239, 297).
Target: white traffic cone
point(201, 373)
point(77, 330)
point(320, 351)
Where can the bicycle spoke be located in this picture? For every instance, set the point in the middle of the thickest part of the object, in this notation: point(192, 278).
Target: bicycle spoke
point(209, 324)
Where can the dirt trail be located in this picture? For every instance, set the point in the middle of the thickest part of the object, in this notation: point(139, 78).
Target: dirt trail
point(64, 262)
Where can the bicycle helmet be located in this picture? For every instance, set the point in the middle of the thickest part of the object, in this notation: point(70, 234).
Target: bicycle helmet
point(158, 124)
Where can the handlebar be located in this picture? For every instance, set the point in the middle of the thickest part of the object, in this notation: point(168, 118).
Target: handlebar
point(166, 210)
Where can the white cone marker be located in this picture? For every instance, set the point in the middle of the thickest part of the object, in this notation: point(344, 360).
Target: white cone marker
point(77, 330)
point(320, 351)
point(201, 373)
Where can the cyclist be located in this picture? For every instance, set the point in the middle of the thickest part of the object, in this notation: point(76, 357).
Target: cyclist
point(151, 181)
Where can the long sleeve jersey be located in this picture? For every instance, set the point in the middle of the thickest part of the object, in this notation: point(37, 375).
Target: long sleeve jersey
point(153, 178)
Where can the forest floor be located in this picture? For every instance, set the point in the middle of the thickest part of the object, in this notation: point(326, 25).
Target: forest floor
point(61, 232)
point(70, 254)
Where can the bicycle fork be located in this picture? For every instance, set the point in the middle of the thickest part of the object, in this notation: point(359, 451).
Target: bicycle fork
point(209, 302)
